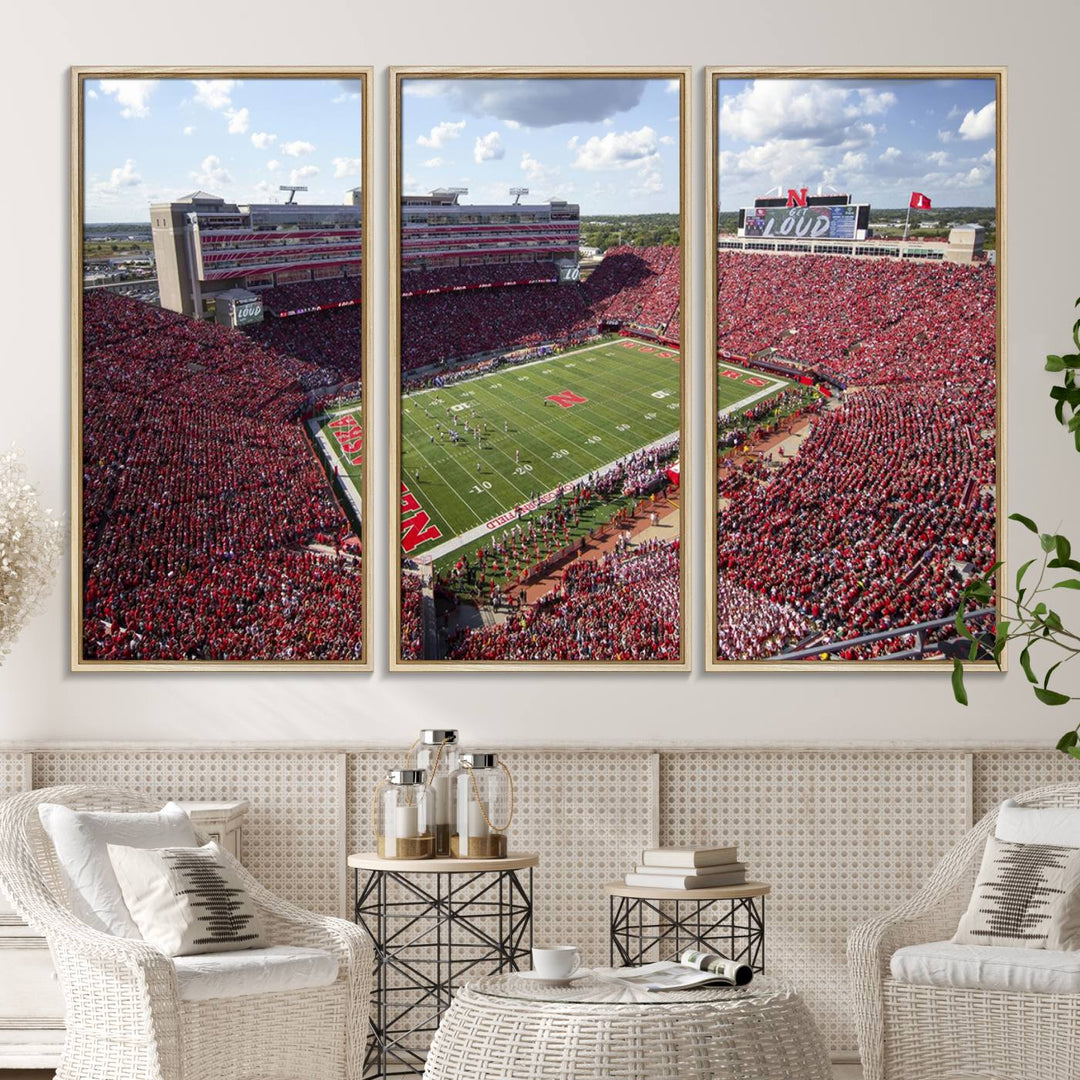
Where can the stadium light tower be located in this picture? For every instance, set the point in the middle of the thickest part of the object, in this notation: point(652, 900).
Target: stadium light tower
point(292, 189)
point(517, 192)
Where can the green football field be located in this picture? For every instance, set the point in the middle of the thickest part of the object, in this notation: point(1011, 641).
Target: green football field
point(737, 388)
point(610, 400)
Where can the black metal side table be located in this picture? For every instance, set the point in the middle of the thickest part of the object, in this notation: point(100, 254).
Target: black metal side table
point(659, 924)
point(433, 922)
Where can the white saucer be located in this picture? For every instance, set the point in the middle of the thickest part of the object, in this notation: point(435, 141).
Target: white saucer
point(536, 977)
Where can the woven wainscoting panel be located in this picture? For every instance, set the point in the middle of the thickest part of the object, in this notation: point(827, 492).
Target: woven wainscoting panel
point(290, 836)
point(13, 778)
point(840, 835)
point(997, 776)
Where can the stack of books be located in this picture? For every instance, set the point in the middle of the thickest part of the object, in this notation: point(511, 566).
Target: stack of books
point(688, 868)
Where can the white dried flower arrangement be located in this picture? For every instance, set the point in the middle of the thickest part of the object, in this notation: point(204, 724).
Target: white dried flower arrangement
point(31, 539)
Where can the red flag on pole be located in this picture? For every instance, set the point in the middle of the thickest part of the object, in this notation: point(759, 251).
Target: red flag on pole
point(919, 201)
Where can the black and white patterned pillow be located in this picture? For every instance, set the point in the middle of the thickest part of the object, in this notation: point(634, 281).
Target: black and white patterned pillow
point(1026, 895)
point(186, 900)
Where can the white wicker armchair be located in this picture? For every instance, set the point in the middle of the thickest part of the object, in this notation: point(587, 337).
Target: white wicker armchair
point(124, 1016)
point(909, 1032)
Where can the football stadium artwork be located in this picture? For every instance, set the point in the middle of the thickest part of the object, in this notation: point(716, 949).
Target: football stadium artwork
point(539, 368)
point(220, 339)
point(855, 365)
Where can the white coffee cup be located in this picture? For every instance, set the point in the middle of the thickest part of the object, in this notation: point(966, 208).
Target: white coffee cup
point(556, 961)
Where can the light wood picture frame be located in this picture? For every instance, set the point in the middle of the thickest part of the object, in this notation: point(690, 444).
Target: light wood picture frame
point(215, 525)
point(776, 634)
point(495, 107)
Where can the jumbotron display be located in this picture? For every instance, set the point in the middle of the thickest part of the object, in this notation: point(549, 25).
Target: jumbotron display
point(802, 222)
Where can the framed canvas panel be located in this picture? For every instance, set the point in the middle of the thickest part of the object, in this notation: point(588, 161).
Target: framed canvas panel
point(539, 368)
point(221, 337)
point(855, 364)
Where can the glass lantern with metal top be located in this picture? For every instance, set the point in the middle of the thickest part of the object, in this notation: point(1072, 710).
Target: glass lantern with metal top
point(406, 809)
point(485, 807)
point(437, 753)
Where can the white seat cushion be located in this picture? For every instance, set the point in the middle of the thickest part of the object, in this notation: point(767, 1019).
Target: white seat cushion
point(988, 967)
point(253, 971)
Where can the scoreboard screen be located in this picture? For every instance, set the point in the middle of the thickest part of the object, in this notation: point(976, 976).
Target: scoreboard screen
point(802, 222)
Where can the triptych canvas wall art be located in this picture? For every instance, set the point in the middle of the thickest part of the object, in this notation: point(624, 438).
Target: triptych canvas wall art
point(539, 367)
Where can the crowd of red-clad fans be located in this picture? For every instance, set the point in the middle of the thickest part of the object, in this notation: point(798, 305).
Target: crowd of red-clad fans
point(305, 295)
point(624, 606)
point(209, 529)
point(638, 286)
point(460, 278)
point(412, 625)
point(890, 499)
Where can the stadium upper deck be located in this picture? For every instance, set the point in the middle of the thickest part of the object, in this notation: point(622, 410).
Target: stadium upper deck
point(439, 232)
point(204, 245)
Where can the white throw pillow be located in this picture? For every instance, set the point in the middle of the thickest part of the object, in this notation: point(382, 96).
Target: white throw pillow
point(80, 839)
point(1057, 825)
point(187, 900)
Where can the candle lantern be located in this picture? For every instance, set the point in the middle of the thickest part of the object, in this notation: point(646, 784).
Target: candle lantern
point(405, 815)
point(437, 754)
point(485, 807)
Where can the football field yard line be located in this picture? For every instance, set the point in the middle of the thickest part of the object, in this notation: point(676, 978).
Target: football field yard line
point(483, 529)
point(744, 402)
point(449, 486)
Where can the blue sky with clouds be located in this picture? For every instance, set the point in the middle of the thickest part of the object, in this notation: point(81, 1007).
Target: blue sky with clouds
point(879, 139)
point(609, 144)
point(149, 140)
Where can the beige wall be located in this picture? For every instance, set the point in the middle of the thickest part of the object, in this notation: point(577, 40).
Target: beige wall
point(39, 699)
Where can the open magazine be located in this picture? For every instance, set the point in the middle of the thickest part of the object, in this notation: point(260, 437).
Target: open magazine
point(693, 969)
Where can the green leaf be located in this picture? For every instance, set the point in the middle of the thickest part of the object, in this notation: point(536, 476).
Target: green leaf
point(958, 682)
point(1062, 546)
point(1068, 583)
point(1070, 738)
point(1063, 564)
point(1073, 751)
point(961, 626)
point(1051, 697)
point(1025, 521)
point(973, 652)
point(1050, 672)
point(1022, 571)
point(1048, 542)
point(1001, 638)
point(1054, 363)
point(1025, 663)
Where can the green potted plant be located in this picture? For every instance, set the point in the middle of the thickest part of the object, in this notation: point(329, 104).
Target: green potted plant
point(1027, 615)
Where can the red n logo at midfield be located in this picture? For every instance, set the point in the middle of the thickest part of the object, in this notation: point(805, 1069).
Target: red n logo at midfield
point(567, 399)
point(796, 198)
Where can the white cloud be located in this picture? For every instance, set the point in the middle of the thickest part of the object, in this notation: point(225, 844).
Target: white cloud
point(303, 174)
point(667, 140)
point(953, 113)
point(346, 166)
point(92, 94)
point(261, 140)
point(211, 174)
point(273, 165)
point(239, 120)
point(672, 86)
point(214, 93)
point(441, 134)
point(625, 150)
point(981, 124)
point(190, 129)
point(572, 142)
point(133, 95)
point(513, 125)
point(945, 136)
point(297, 148)
point(433, 163)
point(990, 157)
point(939, 157)
point(891, 153)
point(122, 177)
point(821, 111)
point(411, 186)
point(488, 147)
point(267, 192)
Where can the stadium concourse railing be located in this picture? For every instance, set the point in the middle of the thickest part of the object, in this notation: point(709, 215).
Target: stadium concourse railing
point(918, 630)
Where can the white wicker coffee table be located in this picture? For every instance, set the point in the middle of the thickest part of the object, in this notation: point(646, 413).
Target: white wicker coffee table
point(503, 1027)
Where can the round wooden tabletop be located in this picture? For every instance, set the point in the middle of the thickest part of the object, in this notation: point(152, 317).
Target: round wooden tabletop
point(721, 892)
point(516, 860)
